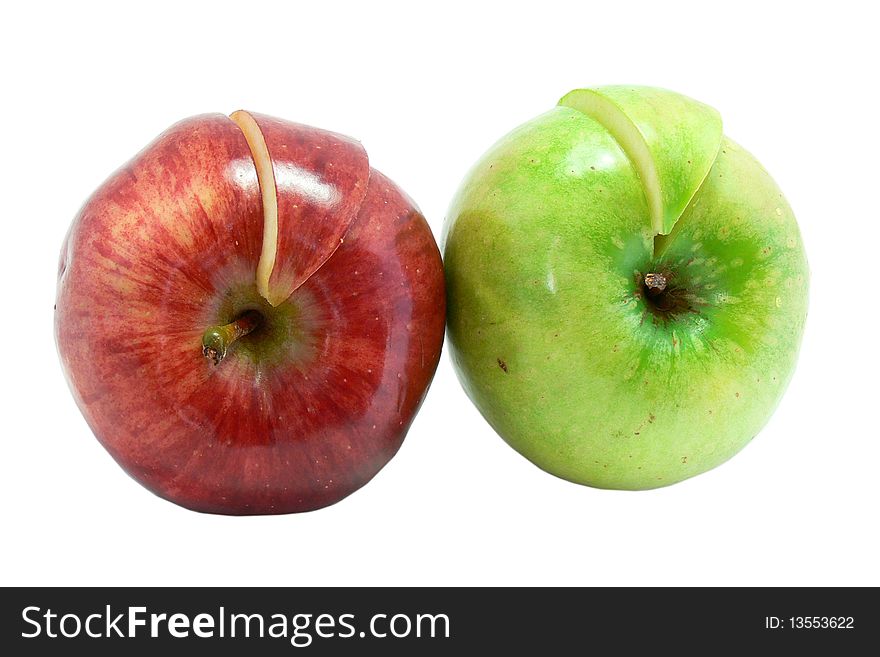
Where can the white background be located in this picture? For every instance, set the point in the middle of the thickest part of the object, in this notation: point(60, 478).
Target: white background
point(427, 90)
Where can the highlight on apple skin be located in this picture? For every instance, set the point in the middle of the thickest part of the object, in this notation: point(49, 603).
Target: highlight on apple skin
point(627, 289)
point(249, 316)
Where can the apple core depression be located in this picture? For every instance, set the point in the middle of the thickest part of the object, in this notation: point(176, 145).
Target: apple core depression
point(249, 315)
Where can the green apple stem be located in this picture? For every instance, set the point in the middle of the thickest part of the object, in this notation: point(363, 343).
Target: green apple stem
point(217, 339)
point(655, 283)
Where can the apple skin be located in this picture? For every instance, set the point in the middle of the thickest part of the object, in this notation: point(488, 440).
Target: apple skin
point(551, 331)
point(321, 179)
point(313, 403)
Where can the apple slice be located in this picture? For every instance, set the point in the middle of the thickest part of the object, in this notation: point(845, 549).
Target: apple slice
point(312, 184)
point(269, 195)
point(671, 140)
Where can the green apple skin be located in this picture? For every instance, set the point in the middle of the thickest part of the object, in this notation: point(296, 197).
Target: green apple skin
point(551, 330)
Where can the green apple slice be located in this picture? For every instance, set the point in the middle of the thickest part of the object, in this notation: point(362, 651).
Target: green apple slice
point(671, 140)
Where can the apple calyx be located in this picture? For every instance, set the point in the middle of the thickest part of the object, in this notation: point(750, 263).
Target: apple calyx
point(312, 184)
point(655, 283)
point(671, 140)
point(217, 339)
point(668, 297)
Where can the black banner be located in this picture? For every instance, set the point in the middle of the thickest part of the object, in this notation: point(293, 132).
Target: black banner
point(279, 621)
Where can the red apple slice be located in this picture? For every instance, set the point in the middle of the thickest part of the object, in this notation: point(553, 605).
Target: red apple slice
point(312, 184)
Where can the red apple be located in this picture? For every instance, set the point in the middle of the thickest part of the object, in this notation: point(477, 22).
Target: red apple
point(249, 316)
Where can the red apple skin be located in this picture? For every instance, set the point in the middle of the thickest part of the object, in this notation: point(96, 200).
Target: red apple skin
point(167, 247)
point(321, 178)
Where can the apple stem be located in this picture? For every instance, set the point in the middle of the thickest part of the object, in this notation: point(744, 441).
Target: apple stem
point(655, 283)
point(217, 339)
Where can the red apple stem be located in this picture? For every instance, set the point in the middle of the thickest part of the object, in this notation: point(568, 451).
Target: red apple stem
point(217, 339)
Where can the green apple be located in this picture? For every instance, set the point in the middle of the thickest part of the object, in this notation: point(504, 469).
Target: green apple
point(627, 289)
